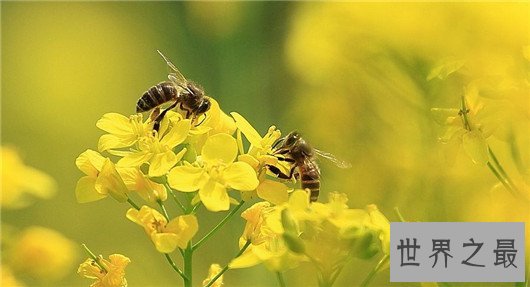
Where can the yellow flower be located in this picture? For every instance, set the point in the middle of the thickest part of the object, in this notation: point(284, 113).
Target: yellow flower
point(42, 253)
point(102, 179)
point(254, 218)
point(380, 222)
point(267, 246)
point(122, 131)
point(260, 147)
point(166, 236)
point(258, 155)
point(215, 121)
point(219, 121)
point(7, 279)
point(149, 190)
point(214, 173)
point(212, 272)
point(20, 180)
point(112, 274)
point(463, 129)
point(329, 234)
point(157, 148)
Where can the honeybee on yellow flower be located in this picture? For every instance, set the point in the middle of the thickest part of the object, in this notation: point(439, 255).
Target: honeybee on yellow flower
point(186, 95)
point(302, 157)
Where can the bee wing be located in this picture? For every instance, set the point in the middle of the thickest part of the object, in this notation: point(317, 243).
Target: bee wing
point(174, 74)
point(338, 162)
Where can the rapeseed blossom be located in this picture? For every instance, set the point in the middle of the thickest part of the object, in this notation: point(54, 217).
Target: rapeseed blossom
point(166, 235)
point(463, 129)
point(214, 172)
point(259, 155)
point(266, 246)
point(21, 182)
point(201, 158)
point(212, 272)
point(325, 234)
point(102, 179)
point(41, 253)
point(122, 131)
point(107, 273)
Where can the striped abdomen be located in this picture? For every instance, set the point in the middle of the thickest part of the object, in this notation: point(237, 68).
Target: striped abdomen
point(155, 96)
point(310, 178)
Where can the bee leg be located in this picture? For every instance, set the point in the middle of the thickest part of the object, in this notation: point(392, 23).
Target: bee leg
point(280, 140)
point(201, 120)
point(276, 171)
point(154, 114)
point(282, 151)
point(160, 117)
point(286, 159)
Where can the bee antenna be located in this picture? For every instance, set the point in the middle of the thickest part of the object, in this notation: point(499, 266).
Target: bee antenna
point(164, 57)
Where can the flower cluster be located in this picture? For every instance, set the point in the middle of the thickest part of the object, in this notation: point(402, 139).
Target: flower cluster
point(283, 236)
point(201, 164)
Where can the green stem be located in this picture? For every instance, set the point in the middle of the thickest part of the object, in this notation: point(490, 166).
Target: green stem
point(501, 170)
point(133, 204)
point(247, 244)
point(177, 201)
point(94, 257)
point(501, 179)
point(219, 225)
point(195, 207)
point(161, 204)
point(374, 271)
point(174, 266)
point(336, 275)
point(188, 266)
point(280, 279)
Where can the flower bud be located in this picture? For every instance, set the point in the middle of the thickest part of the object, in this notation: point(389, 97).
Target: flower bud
point(294, 243)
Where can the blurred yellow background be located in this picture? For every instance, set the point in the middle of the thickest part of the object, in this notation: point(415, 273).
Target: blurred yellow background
point(351, 77)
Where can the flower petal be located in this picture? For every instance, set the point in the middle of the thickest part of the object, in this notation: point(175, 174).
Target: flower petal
point(187, 178)
point(165, 242)
point(220, 147)
point(185, 226)
point(177, 134)
point(110, 182)
point(110, 141)
point(475, 146)
point(225, 125)
point(273, 191)
point(135, 159)
point(90, 162)
point(114, 123)
point(214, 196)
point(85, 191)
point(245, 260)
point(441, 115)
point(252, 161)
point(161, 163)
point(240, 176)
point(247, 129)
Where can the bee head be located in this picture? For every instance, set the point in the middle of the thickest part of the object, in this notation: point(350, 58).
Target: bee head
point(291, 139)
point(204, 106)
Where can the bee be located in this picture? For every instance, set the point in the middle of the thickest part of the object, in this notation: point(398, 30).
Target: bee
point(294, 150)
point(184, 94)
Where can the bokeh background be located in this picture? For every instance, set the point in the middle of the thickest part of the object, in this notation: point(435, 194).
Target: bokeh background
point(351, 77)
